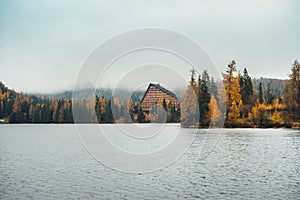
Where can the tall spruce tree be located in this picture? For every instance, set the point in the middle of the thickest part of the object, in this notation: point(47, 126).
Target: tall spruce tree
point(108, 112)
point(269, 96)
point(260, 93)
point(246, 88)
point(204, 97)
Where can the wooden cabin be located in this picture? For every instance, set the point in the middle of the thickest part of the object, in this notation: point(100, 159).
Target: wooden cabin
point(155, 92)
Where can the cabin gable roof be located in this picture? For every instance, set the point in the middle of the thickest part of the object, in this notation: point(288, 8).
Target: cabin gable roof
point(158, 87)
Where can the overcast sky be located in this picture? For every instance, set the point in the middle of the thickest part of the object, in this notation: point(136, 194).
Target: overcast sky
point(43, 43)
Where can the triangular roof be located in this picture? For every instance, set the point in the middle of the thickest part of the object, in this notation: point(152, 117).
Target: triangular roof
point(161, 89)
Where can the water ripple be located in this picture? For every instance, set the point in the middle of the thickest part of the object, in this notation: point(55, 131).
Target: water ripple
point(49, 162)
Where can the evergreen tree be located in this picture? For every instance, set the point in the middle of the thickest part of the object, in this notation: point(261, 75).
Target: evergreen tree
point(45, 113)
point(269, 97)
point(193, 81)
point(97, 108)
point(260, 93)
point(164, 105)
point(69, 115)
point(108, 112)
point(141, 115)
point(1, 109)
point(203, 98)
point(246, 88)
point(173, 115)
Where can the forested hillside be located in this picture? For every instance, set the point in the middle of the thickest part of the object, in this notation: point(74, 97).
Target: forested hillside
point(240, 100)
point(136, 96)
point(22, 108)
point(272, 88)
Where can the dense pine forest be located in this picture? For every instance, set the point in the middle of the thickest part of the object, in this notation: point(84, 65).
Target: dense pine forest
point(241, 101)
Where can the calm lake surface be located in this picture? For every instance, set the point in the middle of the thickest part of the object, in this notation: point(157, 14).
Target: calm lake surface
point(49, 162)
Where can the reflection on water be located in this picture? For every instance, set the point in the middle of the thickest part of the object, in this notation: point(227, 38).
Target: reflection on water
point(49, 162)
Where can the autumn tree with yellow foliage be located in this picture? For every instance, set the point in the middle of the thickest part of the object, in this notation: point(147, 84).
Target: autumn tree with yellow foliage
point(214, 113)
point(233, 93)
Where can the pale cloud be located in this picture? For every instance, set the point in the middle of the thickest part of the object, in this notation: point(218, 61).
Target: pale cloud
point(43, 43)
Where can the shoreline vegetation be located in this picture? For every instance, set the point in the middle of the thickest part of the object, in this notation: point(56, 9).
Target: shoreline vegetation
point(237, 102)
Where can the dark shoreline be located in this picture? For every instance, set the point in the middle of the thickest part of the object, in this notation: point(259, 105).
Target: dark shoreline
point(200, 127)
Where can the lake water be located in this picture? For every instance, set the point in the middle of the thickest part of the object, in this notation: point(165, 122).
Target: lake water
point(49, 162)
